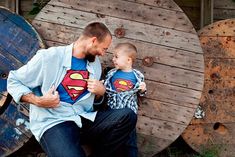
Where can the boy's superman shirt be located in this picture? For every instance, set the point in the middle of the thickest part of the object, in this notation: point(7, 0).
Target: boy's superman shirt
point(74, 84)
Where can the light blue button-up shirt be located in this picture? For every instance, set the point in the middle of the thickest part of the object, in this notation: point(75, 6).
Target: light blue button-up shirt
point(48, 67)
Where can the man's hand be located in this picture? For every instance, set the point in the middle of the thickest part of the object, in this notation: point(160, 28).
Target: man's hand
point(96, 87)
point(48, 100)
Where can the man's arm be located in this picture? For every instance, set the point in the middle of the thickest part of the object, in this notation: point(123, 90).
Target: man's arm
point(48, 100)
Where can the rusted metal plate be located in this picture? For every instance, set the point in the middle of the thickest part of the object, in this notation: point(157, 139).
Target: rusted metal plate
point(169, 54)
point(217, 128)
point(18, 43)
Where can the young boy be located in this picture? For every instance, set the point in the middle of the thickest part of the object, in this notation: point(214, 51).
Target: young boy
point(123, 84)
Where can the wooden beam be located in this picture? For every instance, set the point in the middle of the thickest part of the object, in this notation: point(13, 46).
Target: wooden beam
point(207, 7)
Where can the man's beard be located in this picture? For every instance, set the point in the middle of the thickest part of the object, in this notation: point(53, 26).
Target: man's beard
point(90, 57)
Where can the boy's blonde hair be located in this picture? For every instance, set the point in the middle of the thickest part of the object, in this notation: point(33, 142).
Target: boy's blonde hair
point(128, 49)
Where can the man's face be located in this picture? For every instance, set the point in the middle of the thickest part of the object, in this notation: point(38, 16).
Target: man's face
point(98, 48)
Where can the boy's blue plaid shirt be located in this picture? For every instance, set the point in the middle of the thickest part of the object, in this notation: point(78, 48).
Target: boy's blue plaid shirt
point(117, 100)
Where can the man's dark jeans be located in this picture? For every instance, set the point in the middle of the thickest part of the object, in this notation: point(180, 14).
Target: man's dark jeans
point(109, 132)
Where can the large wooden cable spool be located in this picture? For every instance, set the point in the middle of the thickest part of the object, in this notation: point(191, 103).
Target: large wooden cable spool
point(18, 43)
point(216, 129)
point(169, 55)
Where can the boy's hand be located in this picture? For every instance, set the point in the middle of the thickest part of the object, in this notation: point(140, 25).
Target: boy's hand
point(142, 87)
point(96, 87)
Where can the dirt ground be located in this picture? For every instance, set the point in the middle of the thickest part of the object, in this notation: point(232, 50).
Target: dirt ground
point(177, 149)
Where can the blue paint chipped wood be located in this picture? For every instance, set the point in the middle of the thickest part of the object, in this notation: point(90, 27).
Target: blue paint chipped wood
point(18, 43)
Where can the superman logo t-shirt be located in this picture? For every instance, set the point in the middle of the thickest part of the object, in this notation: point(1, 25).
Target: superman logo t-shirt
point(74, 84)
point(123, 81)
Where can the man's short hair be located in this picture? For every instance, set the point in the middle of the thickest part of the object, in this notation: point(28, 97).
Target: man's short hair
point(128, 49)
point(96, 29)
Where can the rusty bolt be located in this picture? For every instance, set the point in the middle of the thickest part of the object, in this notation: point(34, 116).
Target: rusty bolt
point(215, 76)
point(148, 61)
point(119, 32)
point(3, 75)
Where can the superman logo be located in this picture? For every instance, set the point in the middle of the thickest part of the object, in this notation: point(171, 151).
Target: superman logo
point(122, 85)
point(75, 83)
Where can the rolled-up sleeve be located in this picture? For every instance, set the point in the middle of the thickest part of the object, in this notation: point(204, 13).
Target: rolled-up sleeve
point(21, 82)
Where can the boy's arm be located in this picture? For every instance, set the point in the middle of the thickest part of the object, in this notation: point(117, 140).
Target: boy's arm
point(142, 88)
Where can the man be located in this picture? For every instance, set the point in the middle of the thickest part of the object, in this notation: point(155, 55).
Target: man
point(61, 83)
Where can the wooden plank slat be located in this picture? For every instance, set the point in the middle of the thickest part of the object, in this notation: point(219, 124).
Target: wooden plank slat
point(166, 4)
point(148, 33)
point(216, 127)
point(156, 110)
point(18, 43)
point(165, 74)
point(162, 54)
point(151, 144)
point(174, 80)
point(136, 12)
point(211, 137)
point(220, 14)
point(225, 4)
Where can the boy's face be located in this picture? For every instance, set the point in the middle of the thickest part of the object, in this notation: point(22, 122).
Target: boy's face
point(121, 60)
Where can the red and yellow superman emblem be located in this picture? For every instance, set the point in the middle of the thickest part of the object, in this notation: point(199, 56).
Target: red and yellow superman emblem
point(75, 83)
point(122, 85)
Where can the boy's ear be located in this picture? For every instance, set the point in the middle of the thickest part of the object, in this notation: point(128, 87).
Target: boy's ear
point(129, 59)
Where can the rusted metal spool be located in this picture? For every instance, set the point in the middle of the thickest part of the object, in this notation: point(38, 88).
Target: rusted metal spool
point(216, 130)
point(169, 54)
point(18, 42)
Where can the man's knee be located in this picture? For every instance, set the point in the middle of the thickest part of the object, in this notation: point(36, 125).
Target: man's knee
point(130, 116)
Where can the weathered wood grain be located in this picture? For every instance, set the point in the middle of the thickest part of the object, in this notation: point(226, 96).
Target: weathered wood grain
point(174, 80)
point(134, 30)
point(216, 128)
point(129, 10)
point(162, 54)
point(18, 43)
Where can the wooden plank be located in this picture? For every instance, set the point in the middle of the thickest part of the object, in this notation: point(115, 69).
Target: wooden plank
point(150, 144)
point(223, 47)
point(157, 110)
point(134, 30)
point(220, 14)
point(18, 43)
point(166, 4)
point(181, 78)
point(216, 127)
point(225, 4)
point(218, 70)
point(172, 94)
point(162, 54)
point(165, 74)
point(177, 58)
point(219, 29)
point(161, 129)
point(119, 9)
point(209, 136)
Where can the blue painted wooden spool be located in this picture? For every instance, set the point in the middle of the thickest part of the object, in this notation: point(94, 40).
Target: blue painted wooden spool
point(18, 43)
